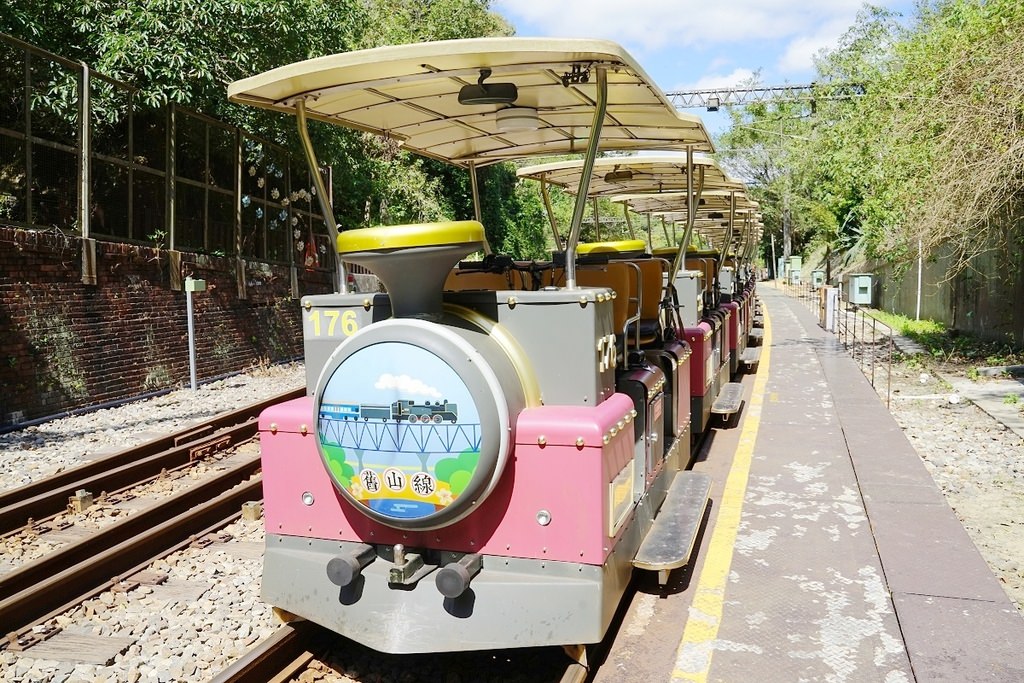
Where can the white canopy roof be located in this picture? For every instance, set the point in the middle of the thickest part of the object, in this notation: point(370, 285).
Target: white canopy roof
point(673, 202)
point(634, 174)
point(410, 93)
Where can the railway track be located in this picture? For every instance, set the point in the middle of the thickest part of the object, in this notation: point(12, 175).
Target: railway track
point(47, 497)
point(64, 578)
point(120, 557)
point(303, 646)
point(41, 589)
point(281, 657)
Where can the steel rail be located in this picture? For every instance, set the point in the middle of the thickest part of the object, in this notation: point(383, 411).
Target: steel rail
point(279, 657)
point(49, 496)
point(59, 592)
point(135, 524)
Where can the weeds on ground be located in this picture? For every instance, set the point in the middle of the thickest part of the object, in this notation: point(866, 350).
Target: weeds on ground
point(1011, 399)
point(951, 346)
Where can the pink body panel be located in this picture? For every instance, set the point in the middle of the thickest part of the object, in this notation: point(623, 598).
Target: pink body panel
point(683, 399)
point(748, 314)
point(699, 339)
point(568, 481)
point(734, 320)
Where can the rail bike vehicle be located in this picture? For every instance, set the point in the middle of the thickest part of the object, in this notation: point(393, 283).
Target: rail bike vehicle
point(558, 463)
point(696, 191)
point(726, 266)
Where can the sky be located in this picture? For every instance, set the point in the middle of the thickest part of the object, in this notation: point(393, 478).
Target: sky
point(702, 44)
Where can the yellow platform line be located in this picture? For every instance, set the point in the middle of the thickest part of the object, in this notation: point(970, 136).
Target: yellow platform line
point(693, 658)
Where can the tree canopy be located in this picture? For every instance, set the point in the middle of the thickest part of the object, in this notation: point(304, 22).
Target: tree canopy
point(912, 135)
point(185, 52)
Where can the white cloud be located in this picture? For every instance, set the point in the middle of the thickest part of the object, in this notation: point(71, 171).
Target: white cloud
point(712, 81)
point(652, 24)
point(406, 385)
point(799, 53)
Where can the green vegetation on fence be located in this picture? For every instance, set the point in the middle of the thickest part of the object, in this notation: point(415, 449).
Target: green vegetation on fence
point(186, 52)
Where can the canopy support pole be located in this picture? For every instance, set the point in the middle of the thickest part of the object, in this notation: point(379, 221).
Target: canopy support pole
point(341, 278)
point(691, 213)
point(629, 223)
point(551, 214)
point(476, 204)
point(588, 169)
point(728, 234)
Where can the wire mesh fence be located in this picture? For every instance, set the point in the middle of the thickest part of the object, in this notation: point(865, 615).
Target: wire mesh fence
point(80, 153)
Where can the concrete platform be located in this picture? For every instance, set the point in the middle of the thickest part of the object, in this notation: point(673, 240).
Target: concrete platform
point(829, 553)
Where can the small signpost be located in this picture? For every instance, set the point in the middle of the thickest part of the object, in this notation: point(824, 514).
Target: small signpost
point(192, 286)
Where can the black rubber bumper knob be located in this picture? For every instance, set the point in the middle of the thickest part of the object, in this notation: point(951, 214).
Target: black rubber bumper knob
point(343, 570)
point(452, 580)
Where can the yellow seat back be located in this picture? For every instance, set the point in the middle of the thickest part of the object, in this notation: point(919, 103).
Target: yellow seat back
point(465, 280)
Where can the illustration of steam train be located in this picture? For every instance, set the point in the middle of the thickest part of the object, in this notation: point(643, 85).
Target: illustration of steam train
point(399, 411)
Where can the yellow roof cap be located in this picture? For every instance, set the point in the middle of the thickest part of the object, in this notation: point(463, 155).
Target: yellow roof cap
point(611, 247)
point(390, 237)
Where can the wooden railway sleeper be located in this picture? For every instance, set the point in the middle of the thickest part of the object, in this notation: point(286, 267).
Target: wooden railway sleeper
point(21, 642)
point(195, 435)
point(209, 539)
point(117, 498)
point(205, 450)
point(143, 578)
point(580, 667)
point(34, 528)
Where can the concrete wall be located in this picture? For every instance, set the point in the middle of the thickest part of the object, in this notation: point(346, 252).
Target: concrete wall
point(897, 291)
point(985, 299)
point(65, 344)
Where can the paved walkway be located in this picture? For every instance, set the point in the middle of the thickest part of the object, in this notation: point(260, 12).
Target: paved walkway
point(831, 555)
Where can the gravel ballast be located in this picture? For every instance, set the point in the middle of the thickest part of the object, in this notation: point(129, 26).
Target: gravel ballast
point(975, 461)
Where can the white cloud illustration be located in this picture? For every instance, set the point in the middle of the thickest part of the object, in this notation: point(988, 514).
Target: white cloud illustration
point(406, 385)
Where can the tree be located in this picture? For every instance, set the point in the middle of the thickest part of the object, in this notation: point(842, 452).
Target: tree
point(959, 111)
point(186, 52)
point(768, 147)
point(931, 152)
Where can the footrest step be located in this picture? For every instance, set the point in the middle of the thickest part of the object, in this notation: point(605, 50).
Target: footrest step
point(750, 357)
point(729, 400)
point(758, 321)
point(755, 336)
point(669, 543)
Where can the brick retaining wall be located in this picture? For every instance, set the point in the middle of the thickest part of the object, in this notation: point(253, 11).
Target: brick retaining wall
point(65, 344)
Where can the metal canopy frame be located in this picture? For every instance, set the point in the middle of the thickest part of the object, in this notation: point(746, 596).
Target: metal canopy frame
point(652, 183)
point(582, 94)
point(409, 93)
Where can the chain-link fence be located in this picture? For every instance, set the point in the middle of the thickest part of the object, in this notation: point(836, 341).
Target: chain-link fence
point(80, 153)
